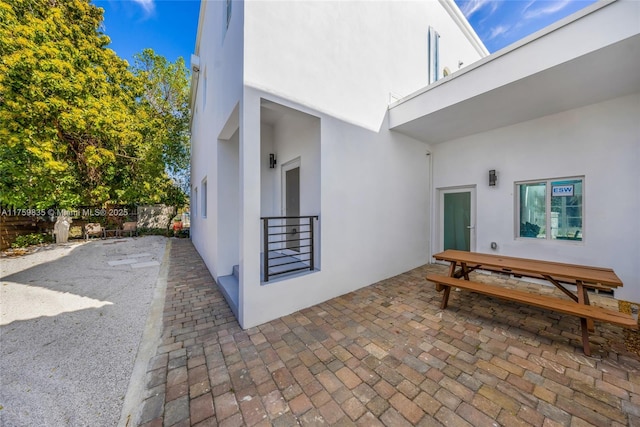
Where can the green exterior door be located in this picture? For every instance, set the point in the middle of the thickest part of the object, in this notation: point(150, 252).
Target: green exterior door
point(457, 220)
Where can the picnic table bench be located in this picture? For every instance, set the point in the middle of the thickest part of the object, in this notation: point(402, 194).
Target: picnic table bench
point(558, 274)
point(130, 227)
point(93, 229)
point(96, 229)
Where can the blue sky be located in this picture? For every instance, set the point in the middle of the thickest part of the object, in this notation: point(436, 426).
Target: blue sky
point(500, 23)
point(169, 26)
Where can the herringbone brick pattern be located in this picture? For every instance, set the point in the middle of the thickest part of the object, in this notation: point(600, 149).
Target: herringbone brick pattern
point(383, 355)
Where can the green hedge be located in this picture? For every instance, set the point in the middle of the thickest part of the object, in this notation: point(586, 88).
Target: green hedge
point(31, 239)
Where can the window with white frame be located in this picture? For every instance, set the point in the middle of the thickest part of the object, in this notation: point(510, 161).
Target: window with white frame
point(194, 202)
point(550, 209)
point(433, 46)
point(204, 198)
point(228, 14)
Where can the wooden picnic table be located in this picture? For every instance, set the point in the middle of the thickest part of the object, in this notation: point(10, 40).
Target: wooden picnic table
point(559, 274)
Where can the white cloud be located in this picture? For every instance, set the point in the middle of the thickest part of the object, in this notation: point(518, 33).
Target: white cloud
point(548, 8)
point(471, 7)
point(499, 30)
point(148, 5)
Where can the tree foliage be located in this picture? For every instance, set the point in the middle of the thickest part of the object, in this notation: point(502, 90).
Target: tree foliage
point(166, 102)
point(78, 126)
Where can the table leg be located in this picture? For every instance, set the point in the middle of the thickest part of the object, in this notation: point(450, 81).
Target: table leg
point(445, 297)
point(585, 336)
point(558, 285)
point(452, 270)
point(583, 298)
point(465, 270)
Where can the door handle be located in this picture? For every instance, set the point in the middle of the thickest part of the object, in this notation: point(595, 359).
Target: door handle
point(470, 227)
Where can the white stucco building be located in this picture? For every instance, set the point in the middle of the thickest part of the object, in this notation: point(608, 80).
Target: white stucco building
point(378, 123)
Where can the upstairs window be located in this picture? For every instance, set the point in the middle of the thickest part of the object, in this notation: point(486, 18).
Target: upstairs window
point(433, 46)
point(194, 201)
point(228, 14)
point(551, 209)
point(204, 198)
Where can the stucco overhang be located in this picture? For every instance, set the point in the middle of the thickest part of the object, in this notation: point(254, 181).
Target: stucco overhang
point(589, 57)
point(193, 87)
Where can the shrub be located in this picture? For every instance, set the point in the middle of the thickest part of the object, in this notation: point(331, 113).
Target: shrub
point(31, 239)
point(182, 233)
point(154, 232)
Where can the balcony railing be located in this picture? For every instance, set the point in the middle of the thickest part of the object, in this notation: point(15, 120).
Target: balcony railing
point(287, 245)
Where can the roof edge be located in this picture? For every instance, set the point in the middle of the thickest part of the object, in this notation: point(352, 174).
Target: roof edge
point(194, 77)
point(456, 14)
point(600, 4)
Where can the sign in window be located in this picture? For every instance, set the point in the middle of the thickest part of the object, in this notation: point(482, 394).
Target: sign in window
point(550, 209)
point(562, 190)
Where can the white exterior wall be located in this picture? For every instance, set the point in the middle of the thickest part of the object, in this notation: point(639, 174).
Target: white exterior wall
point(221, 59)
point(600, 142)
point(338, 61)
point(344, 58)
point(268, 177)
point(227, 205)
point(374, 213)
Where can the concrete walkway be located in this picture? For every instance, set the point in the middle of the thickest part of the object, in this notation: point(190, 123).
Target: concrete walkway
point(71, 322)
point(383, 355)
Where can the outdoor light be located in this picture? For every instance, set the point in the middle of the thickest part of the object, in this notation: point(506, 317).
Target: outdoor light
point(272, 161)
point(492, 178)
point(195, 63)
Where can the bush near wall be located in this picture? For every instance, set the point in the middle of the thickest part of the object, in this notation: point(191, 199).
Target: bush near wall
point(32, 239)
point(154, 232)
point(12, 227)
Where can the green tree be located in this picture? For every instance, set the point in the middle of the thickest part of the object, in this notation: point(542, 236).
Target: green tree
point(165, 102)
point(66, 104)
point(77, 124)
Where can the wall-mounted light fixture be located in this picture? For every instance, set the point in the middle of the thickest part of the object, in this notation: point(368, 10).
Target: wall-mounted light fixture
point(272, 161)
point(492, 178)
point(195, 63)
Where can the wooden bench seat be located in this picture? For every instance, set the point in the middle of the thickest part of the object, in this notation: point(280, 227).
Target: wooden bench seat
point(570, 307)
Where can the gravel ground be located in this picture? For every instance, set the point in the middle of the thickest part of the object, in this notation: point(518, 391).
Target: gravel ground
point(71, 322)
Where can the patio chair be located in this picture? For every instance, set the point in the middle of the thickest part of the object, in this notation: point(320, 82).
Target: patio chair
point(130, 227)
point(93, 229)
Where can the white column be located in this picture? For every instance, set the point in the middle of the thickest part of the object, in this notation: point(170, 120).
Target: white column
point(249, 205)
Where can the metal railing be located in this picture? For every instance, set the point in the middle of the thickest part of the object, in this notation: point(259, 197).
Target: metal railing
point(287, 245)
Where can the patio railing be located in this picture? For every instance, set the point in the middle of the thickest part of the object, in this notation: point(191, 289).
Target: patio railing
point(287, 245)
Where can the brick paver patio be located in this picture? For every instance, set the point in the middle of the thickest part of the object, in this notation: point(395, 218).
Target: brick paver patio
point(383, 355)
